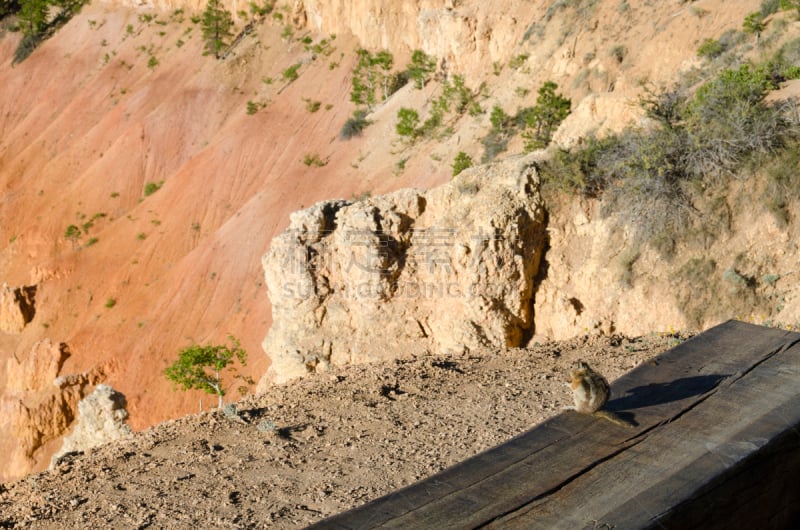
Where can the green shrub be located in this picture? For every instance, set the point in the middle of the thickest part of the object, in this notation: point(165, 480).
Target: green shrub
point(516, 62)
point(152, 187)
point(373, 80)
point(710, 48)
point(728, 120)
point(652, 178)
point(407, 123)
point(644, 183)
point(264, 9)
point(578, 171)
point(312, 106)
point(201, 367)
point(461, 97)
point(354, 126)
point(753, 24)
point(499, 119)
point(73, 233)
point(290, 74)
point(461, 162)
point(420, 68)
point(313, 159)
point(432, 123)
point(790, 4)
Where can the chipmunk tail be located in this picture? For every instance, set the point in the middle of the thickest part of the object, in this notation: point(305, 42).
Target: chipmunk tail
point(614, 418)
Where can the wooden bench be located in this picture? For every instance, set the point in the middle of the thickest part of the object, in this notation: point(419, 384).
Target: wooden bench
point(717, 446)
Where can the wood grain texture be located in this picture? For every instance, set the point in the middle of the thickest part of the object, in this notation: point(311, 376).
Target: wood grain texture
point(717, 441)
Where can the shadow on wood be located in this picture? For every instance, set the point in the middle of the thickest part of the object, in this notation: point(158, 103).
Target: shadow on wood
point(717, 446)
point(658, 393)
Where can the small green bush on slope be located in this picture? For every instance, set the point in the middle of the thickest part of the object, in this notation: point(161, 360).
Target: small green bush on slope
point(653, 178)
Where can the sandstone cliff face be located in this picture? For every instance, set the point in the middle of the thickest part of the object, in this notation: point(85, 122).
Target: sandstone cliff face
point(467, 36)
point(599, 280)
point(443, 270)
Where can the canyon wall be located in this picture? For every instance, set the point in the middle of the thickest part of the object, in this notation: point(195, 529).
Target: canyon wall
point(122, 100)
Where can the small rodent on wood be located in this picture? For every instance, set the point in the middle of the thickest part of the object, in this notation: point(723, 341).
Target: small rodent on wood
point(590, 392)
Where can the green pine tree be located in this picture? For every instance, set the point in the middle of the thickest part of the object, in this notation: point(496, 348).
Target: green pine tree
point(33, 17)
point(421, 67)
point(217, 25)
point(371, 73)
point(548, 113)
point(754, 24)
point(363, 92)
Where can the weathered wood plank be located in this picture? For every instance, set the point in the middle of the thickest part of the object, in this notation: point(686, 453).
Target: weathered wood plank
point(738, 431)
point(677, 400)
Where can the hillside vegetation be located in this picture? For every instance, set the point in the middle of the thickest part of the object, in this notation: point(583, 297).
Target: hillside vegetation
point(146, 164)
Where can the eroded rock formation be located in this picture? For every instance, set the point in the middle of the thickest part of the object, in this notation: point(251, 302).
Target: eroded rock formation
point(38, 405)
point(38, 368)
point(101, 419)
point(17, 308)
point(443, 270)
point(468, 36)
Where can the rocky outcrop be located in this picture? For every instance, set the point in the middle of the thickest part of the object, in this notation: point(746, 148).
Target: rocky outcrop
point(17, 308)
point(37, 405)
point(101, 419)
point(599, 115)
point(600, 280)
point(38, 368)
point(443, 270)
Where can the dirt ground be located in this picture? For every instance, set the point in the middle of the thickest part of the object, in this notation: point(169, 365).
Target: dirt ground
point(316, 447)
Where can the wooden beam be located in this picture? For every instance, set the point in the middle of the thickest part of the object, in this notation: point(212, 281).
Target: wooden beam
point(717, 442)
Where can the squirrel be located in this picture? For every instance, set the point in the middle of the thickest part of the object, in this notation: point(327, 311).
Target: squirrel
point(590, 391)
